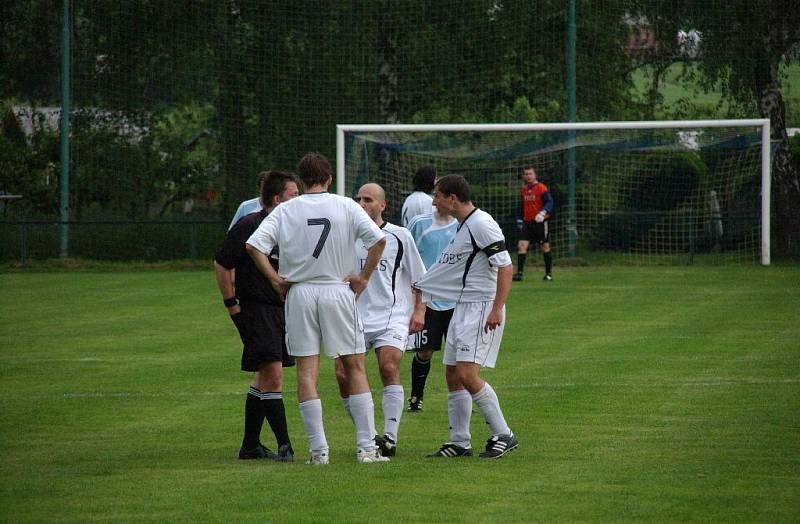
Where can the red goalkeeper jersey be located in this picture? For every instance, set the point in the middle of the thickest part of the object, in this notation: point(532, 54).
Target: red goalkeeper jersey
point(535, 197)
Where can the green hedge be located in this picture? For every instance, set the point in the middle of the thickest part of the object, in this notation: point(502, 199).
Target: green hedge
point(147, 241)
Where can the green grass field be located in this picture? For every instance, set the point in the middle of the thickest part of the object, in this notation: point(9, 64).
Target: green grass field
point(662, 394)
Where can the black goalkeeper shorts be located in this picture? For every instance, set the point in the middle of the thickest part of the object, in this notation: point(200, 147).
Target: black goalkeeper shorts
point(535, 232)
point(262, 328)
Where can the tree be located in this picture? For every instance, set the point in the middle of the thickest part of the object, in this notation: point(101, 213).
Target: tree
point(30, 57)
point(743, 47)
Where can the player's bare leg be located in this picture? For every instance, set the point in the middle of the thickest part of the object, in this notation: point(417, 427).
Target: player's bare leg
point(269, 377)
point(355, 373)
point(344, 389)
point(307, 375)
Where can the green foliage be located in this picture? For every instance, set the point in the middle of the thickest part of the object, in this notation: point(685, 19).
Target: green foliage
point(30, 170)
point(269, 81)
point(739, 43)
point(661, 188)
point(521, 111)
point(30, 57)
point(190, 153)
point(790, 85)
point(794, 148)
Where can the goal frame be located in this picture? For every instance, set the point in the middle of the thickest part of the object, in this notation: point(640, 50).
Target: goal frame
point(762, 123)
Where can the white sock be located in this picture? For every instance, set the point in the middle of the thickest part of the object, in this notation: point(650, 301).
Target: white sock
point(346, 404)
point(363, 412)
point(487, 402)
point(393, 404)
point(311, 412)
point(459, 411)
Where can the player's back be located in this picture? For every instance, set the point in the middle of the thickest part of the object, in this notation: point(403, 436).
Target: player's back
point(316, 233)
point(417, 203)
point(244, 209)
point(431, 237)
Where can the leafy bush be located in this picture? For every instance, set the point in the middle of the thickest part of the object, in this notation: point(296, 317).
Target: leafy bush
point(629, 210)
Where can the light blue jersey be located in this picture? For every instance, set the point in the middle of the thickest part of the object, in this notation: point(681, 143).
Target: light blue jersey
point(431, 239)
point(245, 208)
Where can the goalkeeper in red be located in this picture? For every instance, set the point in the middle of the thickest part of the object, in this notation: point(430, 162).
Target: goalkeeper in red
point(474, 271)
point(533, 225)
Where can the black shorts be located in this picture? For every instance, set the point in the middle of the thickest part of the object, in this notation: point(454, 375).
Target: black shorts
point(434, 332)
point(533, 231)
point(262, 328)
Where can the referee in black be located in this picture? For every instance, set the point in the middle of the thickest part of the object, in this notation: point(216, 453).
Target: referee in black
point(257, 311)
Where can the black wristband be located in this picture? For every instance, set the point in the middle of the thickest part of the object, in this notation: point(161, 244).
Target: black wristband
point(229, 302)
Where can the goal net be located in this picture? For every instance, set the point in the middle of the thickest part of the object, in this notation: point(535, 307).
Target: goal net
point(624, 192)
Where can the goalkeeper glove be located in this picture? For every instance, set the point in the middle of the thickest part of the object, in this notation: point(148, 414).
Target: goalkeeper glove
point(540, 217)
point(520, 224)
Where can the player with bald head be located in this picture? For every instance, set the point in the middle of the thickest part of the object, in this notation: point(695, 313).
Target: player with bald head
point(385, 308)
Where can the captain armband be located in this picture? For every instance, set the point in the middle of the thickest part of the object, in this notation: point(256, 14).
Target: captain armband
point(495, 248)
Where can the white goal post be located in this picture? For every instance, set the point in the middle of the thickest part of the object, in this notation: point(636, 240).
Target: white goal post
point(762, 124)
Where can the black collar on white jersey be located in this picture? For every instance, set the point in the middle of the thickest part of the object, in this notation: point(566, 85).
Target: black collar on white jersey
point(465, 219)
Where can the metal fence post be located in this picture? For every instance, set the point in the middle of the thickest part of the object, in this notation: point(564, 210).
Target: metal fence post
point(23, 242)
point(193, 242)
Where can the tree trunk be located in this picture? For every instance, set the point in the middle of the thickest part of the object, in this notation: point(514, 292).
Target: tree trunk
point(785, 181)
point(654, 96)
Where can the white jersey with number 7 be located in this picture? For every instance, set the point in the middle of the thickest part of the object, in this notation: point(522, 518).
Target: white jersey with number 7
point(315, 234)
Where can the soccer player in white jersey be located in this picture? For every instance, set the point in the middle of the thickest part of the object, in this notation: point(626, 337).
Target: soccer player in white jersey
point(385, 308)
point(432, 233)
point(318, 279)
point(252, 205)
point(420, 200)
point(475, 272)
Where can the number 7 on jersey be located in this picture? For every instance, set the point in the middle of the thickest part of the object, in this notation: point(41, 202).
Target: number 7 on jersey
point(326, 228)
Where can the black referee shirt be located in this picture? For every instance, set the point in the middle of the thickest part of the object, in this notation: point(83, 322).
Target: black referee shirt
point(250, 283)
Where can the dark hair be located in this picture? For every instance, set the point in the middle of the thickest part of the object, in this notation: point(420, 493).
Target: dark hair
point(314, 169)
point(454, 185)
point(261, 178)
point(274, 185)
point(424, 179)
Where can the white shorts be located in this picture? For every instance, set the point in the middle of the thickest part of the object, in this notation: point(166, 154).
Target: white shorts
point(466, 341)
point(395, 336)
point(323, 315)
